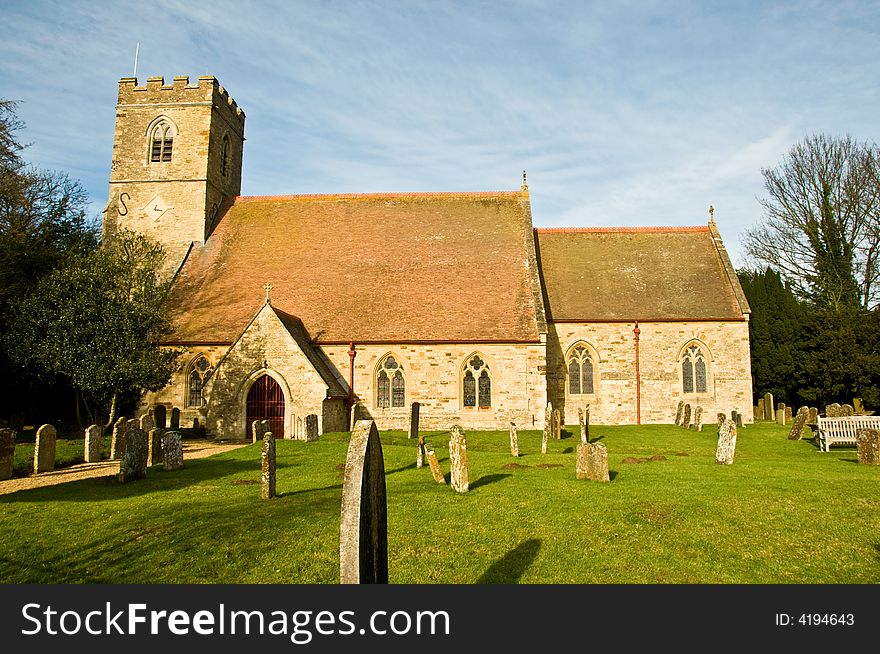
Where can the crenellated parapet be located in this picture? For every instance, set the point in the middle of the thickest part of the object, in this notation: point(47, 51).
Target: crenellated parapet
point(156, 92)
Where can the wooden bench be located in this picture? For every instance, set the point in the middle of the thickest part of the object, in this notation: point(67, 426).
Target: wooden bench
point(843, 430)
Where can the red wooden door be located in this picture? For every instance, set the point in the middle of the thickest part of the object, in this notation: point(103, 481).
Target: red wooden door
point(265, 401)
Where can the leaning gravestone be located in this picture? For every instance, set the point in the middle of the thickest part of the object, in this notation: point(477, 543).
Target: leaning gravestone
point(267, 467)
point(258, 430)
point(414, 420)
point(117, 442)
point(592, 462)
point(311, 427)
point(759, 410)
point(160, 416)
point(698, 419)
point(133, 464)
point(147, 423)
point(868, 442)
point(44, 449)
point(420, 455)
point(363, 528)
point(7, 453)
point(726, 443)
point(679, 412)
point(458, 461)
point(800, 421)
point(721, 418)
point(686, 418)
point(175, 418)
point(93, 443)
point(514, 440)
point(172, 450)
point(858, 407)
point(155, 447)
point(434, 464)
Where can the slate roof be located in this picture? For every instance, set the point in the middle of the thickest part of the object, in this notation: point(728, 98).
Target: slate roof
point(639, 273)
point(404, 267)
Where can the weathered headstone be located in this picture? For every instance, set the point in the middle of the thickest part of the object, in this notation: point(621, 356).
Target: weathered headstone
point(7, 452)
point(868, 442)
point(300, 429)
point(738, 419)
point(458, 461)
point(800, 421)
point(514, 440)
point(267, 467)
point(769, 407)
point(175, 418)
point(847, 410)
point(160, 416)
point(133, 464)
point(788, 413)
point(759, 410)
point(833, 410)
point(858, 407)
point(117, 442)
point(147, 423)
point(582, 425)
point(585, 434)
point(813, 418)
point(686, 418)
point(592, 462)
point(548, 427)
point(697, 424)
point(258, 430)
point(420, 456)
point(354, 415)
point(311, 427)
point(44, 449)
point(414, 420)
point(155, 447)
point(363, 528)
point(679, 413)
point(721, 418)
point(726, 449)
point(94, 441)
point(434, 464)
point(780, 416)
point(172, 450)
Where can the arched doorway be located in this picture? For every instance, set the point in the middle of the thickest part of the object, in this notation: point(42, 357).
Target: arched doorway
point(265, 401)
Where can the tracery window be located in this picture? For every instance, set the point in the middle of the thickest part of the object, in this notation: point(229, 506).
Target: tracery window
point(580, 372)
point(477, 384)
point(161, 142)
point(693, 370)
point(199, 371)
point(391, 384)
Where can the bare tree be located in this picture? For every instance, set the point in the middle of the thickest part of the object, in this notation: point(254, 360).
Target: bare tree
point(821, 226)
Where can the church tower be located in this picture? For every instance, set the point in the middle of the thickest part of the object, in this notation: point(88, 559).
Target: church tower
point(176, 164)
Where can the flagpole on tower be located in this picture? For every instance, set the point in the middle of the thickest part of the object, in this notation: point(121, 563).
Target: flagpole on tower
point(137, 49)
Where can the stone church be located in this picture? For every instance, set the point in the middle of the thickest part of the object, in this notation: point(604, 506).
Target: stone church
point(297, 305)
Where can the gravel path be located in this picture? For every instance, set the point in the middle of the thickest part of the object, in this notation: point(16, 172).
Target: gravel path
point(192, 449)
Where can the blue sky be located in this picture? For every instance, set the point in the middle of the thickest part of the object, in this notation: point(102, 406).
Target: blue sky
point(623, 113)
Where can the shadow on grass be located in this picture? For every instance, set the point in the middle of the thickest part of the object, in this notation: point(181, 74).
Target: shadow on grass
point(568, 450)
point(489, 479)
point(411, 466)
point(849, 460)
point(612, 474)
point(597, 439)
point(509, 568)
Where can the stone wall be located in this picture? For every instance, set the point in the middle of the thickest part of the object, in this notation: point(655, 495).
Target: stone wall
point(725, 345)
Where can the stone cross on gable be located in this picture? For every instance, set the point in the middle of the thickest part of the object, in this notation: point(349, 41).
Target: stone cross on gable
point(268, 288)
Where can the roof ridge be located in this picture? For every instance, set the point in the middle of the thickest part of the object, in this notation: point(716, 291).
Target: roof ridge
point(374, 196)
point(586, 230)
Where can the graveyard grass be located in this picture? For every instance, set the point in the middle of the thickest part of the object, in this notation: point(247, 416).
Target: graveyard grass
point(782, 513)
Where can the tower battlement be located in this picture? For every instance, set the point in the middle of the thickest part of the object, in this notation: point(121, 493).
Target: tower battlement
point(205, 89)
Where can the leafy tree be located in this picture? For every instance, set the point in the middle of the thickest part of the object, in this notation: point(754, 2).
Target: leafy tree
point(97, 323)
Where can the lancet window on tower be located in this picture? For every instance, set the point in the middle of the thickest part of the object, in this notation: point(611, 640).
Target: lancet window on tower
point(161, 142)
point(224, 157)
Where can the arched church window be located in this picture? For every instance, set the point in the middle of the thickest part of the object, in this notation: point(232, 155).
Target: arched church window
point(693, 370)
point(477, 384)
point(199, 371)
point(161, 142)
point(580, 372)
point(224, 156)
point(390, 384)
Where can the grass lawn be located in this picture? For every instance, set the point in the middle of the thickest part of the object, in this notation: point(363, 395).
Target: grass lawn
point(783, 513)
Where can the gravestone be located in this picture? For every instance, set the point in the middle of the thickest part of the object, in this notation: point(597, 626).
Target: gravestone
point(420, 456)
point(679, 412)
point(780, 416)
point(833, 410)
point(175, 418)
point(267, 467)
point(592, 462)
point(847, 410)
point(698, 419)
point(434, 464)
point(258, 430)
point(544, 438)
point(788, 413)
point(353, 415)
point(759, 410)
point(299, 428)
point(585, 434)
point(686, 418)
point(721, 418)
point(93, 443)
point(172, 450)
point(769, 407)
point(155, 447)
point(868, 442)
point(738, 419)
point(44, 449)
point(133, 464)
point(458, 461)
point(363, 528)
point(726, 449)
point(147, 423)
point(7, 453)
point(858, 407)
point(800, 421)
point(813, 418)
point(117, 442)
point(582, 425)
point(311, 427)
point(414, 420)
point(514, 440)
point(160, 416)
point(548, 427)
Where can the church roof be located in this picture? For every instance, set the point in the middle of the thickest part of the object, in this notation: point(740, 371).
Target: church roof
point(637, 273)
point(403, 267)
